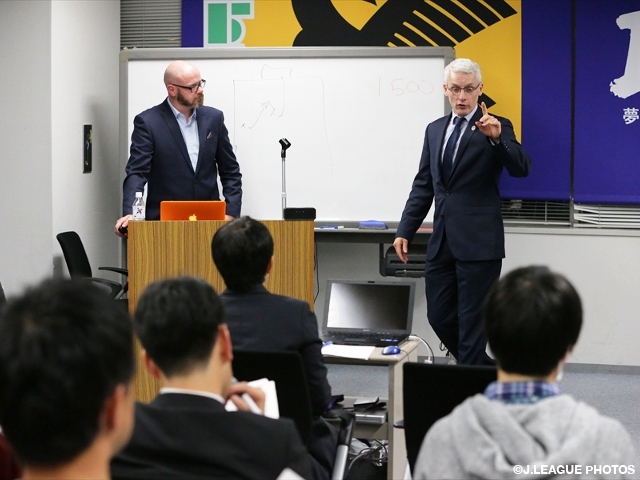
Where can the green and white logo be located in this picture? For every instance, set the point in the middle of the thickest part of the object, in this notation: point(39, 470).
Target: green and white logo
point(224, 22)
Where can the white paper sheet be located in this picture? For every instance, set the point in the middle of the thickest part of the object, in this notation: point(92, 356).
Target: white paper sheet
point(348, 351)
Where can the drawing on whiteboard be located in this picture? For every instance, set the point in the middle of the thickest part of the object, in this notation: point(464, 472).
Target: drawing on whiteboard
point(266, 108)
point(273, 104)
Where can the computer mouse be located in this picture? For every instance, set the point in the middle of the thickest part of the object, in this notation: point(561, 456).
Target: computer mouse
point(391, 350)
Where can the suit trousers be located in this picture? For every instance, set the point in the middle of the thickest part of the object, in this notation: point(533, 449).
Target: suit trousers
point(455, 291)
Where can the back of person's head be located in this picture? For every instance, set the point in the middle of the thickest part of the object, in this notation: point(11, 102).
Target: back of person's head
point(177, 322)
point(65, 347)
point(463, 65)
point(532, 318)
point(242, 250)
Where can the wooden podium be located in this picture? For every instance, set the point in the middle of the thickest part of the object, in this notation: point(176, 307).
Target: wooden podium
point(158, 250)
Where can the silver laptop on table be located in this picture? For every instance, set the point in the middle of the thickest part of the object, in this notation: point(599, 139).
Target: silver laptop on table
point(367, 312)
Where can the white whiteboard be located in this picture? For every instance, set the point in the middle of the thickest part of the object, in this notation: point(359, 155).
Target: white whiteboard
point(355, 119)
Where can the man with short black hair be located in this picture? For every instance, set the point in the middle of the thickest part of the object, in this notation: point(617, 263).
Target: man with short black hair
point(185, 432)
point(66, 369)
point(242, 251)
point(522, 424)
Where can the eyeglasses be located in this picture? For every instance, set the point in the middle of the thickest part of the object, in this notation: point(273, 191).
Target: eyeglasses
point(193, 88)
point(467, 90)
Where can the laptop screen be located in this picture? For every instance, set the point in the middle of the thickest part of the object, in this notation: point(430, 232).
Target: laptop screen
point(369, 305)
point(192, 210)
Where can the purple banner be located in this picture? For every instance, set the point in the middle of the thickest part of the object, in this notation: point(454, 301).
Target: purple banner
point(192, 23)
point(607, 130)
point(546, 102)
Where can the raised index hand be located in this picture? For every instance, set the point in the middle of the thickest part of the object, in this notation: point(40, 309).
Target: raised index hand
point(489, 125)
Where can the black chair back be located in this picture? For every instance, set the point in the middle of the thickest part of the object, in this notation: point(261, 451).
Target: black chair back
point(286, 369)
point(432, 391)
point(74, 254)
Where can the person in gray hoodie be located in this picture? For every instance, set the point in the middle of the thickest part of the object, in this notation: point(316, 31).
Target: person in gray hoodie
point(522, 427)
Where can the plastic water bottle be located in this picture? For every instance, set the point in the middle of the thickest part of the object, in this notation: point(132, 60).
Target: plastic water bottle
point(138, 207)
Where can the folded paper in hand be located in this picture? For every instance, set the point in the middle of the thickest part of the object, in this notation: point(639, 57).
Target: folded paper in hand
point(271, 408)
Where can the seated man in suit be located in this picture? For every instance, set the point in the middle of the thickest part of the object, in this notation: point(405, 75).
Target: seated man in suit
point(66, 369)
point(522, 424)
point(259, 320)
point(186, 433)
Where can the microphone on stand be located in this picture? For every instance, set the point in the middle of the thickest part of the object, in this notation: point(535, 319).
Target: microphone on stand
point(292, 213)
point(285, 144)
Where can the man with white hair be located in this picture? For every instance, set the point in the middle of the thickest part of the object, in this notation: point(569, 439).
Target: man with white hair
point(463, 156)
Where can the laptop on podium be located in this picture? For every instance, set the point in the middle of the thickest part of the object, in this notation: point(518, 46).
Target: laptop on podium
point(367, 312)
point(192, 210)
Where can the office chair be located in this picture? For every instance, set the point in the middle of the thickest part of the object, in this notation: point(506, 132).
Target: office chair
point(78, 264)
point(432, 391)
point(286, 369)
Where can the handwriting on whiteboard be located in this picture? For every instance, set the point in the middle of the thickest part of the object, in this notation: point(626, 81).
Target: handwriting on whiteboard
point(404, 86)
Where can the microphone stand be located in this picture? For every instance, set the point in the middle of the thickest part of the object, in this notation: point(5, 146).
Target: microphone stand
point(283, 154)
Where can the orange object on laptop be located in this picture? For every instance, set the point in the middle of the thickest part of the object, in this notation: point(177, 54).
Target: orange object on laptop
point(192, 210)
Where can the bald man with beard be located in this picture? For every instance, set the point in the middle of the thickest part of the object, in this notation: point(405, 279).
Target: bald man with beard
point(178, 149)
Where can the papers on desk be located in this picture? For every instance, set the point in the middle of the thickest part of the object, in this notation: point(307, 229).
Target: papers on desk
point(348, 351)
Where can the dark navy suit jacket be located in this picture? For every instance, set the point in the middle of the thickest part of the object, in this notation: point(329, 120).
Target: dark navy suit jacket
point(468, 207)
point(159, 157)
point(191, 437)
point(260, 320)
